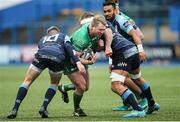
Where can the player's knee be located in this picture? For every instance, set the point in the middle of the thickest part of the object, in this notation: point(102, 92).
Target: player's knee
point(115, 86)
point(81, 87)
point(28, 81)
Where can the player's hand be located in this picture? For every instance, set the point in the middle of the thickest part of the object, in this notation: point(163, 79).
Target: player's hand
point(80, 67)
point(142, 56)
point(93, 59)
point(108, 52)
point(78, 53)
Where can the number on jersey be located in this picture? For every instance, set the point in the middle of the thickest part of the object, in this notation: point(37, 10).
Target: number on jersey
point(52, 38)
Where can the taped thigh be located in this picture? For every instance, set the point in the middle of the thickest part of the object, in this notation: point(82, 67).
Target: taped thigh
point(117, 77)
point(55, 73)
point(35, 68)
point(135, 76)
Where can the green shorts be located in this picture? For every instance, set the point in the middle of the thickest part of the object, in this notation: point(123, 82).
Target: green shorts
point(69, 68)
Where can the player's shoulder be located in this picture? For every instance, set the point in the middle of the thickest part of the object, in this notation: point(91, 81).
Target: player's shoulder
point(121, 17)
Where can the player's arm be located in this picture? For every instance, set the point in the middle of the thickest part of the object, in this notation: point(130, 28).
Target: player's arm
point(127, 27)
point(72, 53)
point(108, 40)
point(137, 29)
point(139, 33)
point(138, 42)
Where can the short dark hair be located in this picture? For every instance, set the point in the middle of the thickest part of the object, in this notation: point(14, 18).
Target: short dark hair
point(109, 2)
point(53, 28)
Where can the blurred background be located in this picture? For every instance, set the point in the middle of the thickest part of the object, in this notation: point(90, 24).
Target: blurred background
point(24, 22)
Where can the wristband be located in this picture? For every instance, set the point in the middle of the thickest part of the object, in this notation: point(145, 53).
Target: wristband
point(140, 48)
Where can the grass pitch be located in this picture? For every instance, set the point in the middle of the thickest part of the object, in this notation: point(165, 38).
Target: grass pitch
point(97, 102)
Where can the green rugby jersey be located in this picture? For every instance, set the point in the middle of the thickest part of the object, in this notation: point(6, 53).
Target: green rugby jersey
point(81, 39)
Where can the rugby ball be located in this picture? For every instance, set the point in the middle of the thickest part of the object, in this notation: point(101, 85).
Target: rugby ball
point(87, 54)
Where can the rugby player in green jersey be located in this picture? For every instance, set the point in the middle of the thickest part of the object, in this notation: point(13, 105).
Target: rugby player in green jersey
point(85, 37)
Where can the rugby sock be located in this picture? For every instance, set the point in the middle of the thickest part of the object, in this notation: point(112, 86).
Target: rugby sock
point(142, 95)
point(69, 87)
point(128, 98)
point(147, 92)
point(77, 99)
point(49, 95)
point(20, 95)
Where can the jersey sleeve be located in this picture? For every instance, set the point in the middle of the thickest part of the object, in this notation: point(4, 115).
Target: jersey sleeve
point(70, 50)
point(124, 23)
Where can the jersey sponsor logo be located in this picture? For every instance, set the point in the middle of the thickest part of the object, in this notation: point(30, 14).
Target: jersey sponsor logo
point(122, 64)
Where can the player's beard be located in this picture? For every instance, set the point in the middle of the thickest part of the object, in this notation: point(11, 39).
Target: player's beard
point(110, 19)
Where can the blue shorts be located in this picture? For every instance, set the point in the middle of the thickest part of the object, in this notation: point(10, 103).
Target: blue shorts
point(128, 64)
point(42, 62)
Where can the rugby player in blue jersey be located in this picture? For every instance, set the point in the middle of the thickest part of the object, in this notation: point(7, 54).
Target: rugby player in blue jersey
point(142, 100)
point(125, 28)
point(52, 52)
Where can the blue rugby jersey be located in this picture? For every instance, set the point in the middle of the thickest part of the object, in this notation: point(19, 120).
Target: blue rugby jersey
point(120, 45)
point(123, 26)
point(58, 46)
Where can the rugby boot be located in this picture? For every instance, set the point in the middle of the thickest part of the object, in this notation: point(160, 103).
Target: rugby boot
point(155, 107)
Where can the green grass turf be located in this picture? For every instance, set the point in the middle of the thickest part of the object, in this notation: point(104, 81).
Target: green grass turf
point(97, 102)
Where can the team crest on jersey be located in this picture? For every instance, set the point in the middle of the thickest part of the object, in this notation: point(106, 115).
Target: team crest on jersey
point(126, 24)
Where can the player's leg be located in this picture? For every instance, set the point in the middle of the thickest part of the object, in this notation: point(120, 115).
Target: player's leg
point(32, 73)
point(86, 77)
point(152, 106)
point(133, 87)
point(68, 69)
point(138, 92)
point(68, 87)
point(65, 88)
point(135, 65)
point(64, 91)
point(118, 77)
point(55, 72)
point(80, 84)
